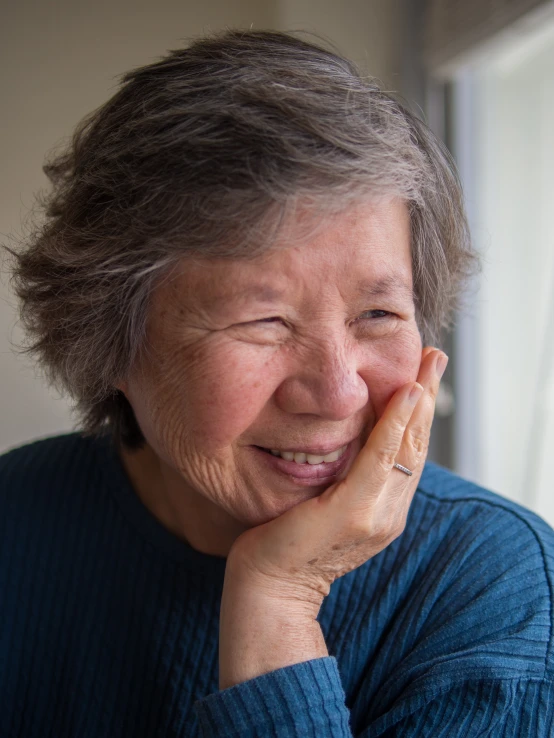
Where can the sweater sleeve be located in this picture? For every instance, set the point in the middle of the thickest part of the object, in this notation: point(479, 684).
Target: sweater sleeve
point(302, 700)
point(307, 699)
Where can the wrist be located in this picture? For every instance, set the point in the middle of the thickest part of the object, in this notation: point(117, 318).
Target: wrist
point(290, 594)
point(261, 632)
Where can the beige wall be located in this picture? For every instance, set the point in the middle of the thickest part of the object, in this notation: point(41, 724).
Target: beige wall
point(368, 31)
point(61, 59)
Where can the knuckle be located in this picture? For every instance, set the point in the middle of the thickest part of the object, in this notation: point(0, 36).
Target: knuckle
point(386, 456)
point(420, 447)
point(397, 428)
point(377, 534)
point(399, 528)
point(434, 391)
point(418, 439)
point(380, 535)
point(386, 535)
point(361, 528)
point(396, 529)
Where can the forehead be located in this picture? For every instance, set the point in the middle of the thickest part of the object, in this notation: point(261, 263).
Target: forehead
point(363, 250)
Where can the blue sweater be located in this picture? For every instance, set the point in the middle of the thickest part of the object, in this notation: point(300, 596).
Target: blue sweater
point(109, 623)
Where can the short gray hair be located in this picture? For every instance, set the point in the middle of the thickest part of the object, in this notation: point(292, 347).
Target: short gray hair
point(205, 152)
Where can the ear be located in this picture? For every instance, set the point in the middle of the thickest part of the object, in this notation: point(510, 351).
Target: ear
point(122, 387)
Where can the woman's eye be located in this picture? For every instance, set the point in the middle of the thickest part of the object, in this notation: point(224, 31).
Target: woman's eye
point(376, 314)
point(260, 322)
point(266, 321)
point(265, 331)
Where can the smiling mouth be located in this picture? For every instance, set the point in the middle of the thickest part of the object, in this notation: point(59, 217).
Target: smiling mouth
point(300, 457)
point(303, 472)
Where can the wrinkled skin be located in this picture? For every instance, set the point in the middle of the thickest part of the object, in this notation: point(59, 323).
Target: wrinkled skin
point(226, 370)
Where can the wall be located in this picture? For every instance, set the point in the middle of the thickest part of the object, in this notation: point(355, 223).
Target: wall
point(61, 59)
point(368, 31)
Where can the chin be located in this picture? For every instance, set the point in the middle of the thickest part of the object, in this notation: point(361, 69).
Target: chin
point(283, 505)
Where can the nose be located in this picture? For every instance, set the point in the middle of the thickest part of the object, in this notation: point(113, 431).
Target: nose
point(325, 382)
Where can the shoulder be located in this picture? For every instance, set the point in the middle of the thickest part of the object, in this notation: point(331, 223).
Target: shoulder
point(55, 506)
point(489, 569)
point(37, 476)
point(469, 507)
point(41, 449)
point(45, 459)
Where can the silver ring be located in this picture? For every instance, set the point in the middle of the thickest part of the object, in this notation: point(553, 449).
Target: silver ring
point(403, 469)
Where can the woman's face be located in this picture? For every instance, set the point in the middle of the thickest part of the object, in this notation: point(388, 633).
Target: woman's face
point(296, 351)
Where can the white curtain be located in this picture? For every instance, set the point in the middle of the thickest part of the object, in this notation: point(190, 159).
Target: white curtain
point(502, 122)
point(514, 228)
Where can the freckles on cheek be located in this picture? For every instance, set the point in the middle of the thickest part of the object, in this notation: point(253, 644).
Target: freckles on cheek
point(402, 361)
point(393, 368)
point(232, 396)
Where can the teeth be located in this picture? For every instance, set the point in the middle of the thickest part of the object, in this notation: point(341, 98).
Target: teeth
point(313, 459)
point(302, 458)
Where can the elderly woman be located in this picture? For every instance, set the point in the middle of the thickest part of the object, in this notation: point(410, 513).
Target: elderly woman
point(247, 248)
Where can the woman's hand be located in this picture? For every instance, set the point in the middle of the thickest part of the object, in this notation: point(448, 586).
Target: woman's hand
point(278, 573)
point(300, 553)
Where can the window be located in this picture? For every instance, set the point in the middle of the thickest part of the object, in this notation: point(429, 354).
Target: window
point(501, 107)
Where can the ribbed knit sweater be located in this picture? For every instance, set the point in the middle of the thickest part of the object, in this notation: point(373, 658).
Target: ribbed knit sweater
point(109, 622)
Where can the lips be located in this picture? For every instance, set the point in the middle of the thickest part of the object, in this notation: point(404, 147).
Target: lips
point(313, 450)
point(305, 474)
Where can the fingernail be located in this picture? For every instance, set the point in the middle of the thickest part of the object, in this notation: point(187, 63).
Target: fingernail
point(415, 393)
point(441, 364)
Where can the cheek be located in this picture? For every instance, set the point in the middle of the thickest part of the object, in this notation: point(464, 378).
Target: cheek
point(229, 399)
point(391, 365)
point(209, 397)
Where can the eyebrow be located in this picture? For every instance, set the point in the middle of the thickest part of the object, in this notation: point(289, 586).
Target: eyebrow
point(265, 293)
point(260, 292)
point(386, 286)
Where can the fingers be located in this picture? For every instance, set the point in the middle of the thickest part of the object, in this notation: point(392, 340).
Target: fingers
point(413, 450)
point(402, 433)
point(426, 351)
point(373, 465)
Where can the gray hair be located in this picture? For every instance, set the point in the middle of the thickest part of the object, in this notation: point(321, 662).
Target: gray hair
point(207, 152)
